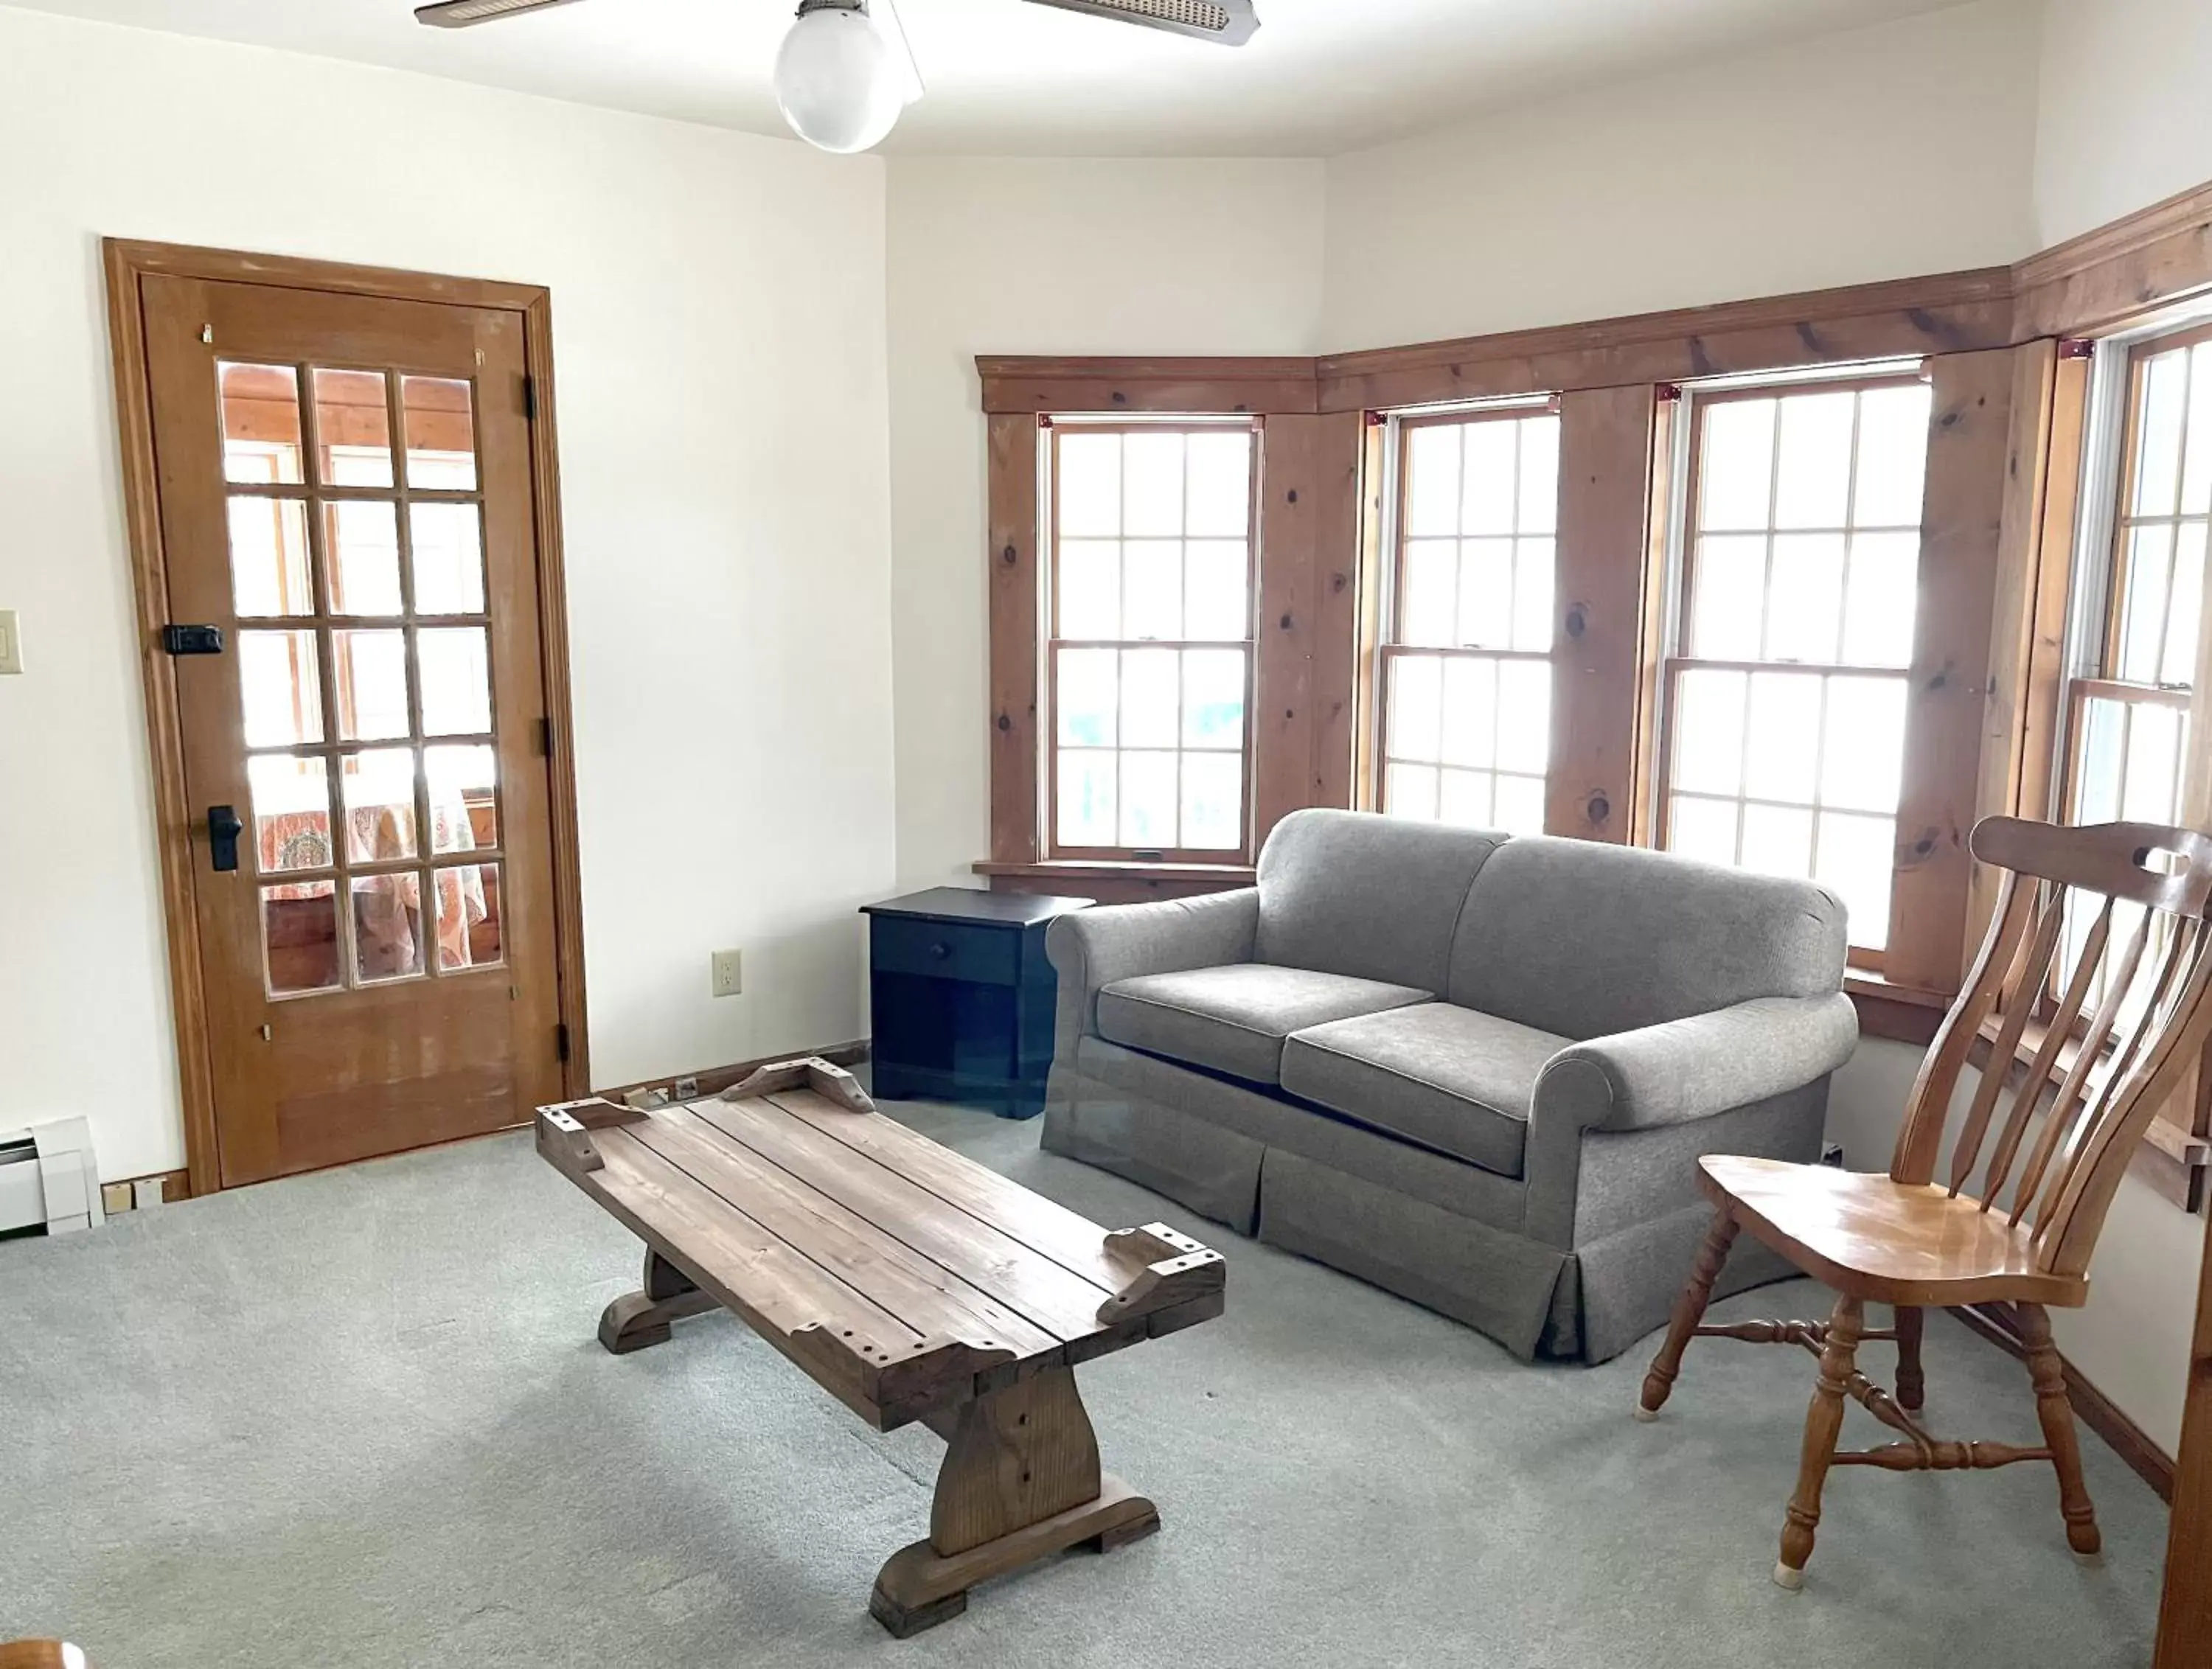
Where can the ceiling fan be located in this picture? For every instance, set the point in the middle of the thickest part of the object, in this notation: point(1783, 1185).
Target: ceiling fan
point(841, 77)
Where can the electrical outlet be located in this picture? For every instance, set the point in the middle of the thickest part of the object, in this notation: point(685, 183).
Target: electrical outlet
point(729, 972)
point(11, 642)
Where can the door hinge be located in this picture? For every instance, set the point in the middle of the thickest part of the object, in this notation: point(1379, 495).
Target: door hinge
point(529, 396)
point(560, 1041)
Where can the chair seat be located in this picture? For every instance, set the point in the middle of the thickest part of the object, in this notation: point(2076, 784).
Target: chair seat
point(1892, 1243)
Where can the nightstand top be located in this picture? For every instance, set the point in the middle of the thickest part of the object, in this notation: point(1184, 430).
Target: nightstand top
point(972, 904)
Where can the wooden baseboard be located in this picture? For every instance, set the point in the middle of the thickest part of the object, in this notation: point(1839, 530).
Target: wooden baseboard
point(1996, 1323)
point(712, 1080)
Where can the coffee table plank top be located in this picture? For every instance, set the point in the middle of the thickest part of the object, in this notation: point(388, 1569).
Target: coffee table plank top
point(904, 1277)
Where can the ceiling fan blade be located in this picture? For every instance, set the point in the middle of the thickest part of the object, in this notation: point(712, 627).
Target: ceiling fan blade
point(895, 31)
point(1224, 22)
point(462, 14)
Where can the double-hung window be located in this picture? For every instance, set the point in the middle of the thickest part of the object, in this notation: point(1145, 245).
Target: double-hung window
point(1785, 695)
point(1150, 638)
point(1465, 648)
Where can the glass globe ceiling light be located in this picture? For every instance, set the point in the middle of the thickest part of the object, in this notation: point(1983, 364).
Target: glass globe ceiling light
point(840, 79)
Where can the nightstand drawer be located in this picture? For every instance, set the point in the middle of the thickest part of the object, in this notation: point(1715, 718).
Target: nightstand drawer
point(945, 950)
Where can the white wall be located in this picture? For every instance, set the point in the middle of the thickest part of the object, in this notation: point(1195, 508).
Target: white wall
point(1884, 153)
point(1003, 256)
point(718, 307)
point(2126, 118)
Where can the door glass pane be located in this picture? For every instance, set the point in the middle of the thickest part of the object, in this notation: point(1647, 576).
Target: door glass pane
point(360, 543)
point(372, 680)
point(1087, 782)
point(260, 422)
point(448, 545)
point(378, 789)
point(1212, 801)
point(270, 572)
point(291, 812)
point(1214, 699)
point(463, 800)
point(300, 937)
point(456, 681)
point(282, 689)
point(1149, 795)
point(469, 918)
point(387, 927)
point(352, 428)
point(441, 441)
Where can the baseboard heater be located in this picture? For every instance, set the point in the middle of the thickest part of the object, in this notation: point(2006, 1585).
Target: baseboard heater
point(48, 1178)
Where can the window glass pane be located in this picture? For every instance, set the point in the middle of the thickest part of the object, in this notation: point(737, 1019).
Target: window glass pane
point(1862, 752)
point(300, 937)
point(1090, 483)
point(1152, 486)
point(1213, 698)
point(448, 558)
point(1150, 790)
point(1220, 466)
point(1709, 732)
point(1782, 746)
point(1882, 601)
point(456, 681)
point(1524, 705)
point(360, 543)
point(1470, 712)
point(1487, 603)
point(1540, 474)
point(1152, 704)
point(1777, 840)
point(2197, 469)
point(1893, 461)
point(2142, 616)
point(1702, 828)
point(469, 916)
point(1151, 589)
point(270, 572)
point(2161, 416)
point(441, 437)
point(2097, 780)
point(1426, 611)
point(1213, 802)
point(1090, 701)
point(1090, 588)
point(1728, 603)
point(1410, 791)
point(1804, 615)
point(1087, 784)
point(1532, 595)
point(378, 788)
point(1432, 494)
point(1490, 495)
point(1812, 480)
point(280, 682)
point(387, 928)
point(1736, 476)
point(1416, 707)
point(1464, 799)
point(2185, 614)
point(291, 812)
point(1854, 861)
point(2153, 781)
point(1217, 602)
point(1520, 809)
point(260, 422)
point(353, 428)
point(463, 800)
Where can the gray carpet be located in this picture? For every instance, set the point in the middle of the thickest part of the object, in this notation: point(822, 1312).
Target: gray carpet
point(359, 1418)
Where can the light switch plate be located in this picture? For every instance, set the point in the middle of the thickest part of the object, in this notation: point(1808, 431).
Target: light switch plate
point(11, 643)
point(729, 972)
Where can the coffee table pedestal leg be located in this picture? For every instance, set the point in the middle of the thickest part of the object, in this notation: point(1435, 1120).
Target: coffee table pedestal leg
point(639, 1319)
point(1020, 1483)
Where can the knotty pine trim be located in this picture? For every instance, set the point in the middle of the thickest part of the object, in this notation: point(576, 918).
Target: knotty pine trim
point(2144, 260)
point(1018, 385)
point(1015, 578)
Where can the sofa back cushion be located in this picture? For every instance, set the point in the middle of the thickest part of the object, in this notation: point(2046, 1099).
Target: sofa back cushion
point(1372, 897)
point(1586, 940)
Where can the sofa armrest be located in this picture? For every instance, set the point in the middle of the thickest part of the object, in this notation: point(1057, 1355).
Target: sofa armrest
point(1671, 1074)
point(1092, 949)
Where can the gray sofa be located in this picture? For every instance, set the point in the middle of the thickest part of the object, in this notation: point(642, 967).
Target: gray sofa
point(1475, 1069)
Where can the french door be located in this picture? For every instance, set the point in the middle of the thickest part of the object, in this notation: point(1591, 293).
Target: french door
point(347, 537)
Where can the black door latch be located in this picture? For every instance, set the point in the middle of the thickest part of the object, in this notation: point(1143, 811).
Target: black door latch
point(193, 640)
point(224, 826)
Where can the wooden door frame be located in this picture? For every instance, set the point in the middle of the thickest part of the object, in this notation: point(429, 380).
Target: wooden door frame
point(127, 261)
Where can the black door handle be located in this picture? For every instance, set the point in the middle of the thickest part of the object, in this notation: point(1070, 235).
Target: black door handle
point(224, 826)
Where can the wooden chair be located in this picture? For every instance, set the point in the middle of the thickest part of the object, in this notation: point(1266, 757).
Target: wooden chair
point(2129, 902)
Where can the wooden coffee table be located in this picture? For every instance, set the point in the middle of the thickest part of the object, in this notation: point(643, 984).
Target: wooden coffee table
point(911, 1283)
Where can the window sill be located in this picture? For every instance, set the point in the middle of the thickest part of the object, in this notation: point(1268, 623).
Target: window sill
point(1898, 1013)
point(1112, 883)
point(2164, 1136)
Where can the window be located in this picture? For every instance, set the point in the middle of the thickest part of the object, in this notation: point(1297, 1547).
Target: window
point(2129, 717)
point(1467, 640)
point(1786, 694)
point(1150, 649)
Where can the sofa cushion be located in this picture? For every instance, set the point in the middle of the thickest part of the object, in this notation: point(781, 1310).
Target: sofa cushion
point(1586, 940)
point(1451, 1078)
point(1372, 897)
point(1233, 1019)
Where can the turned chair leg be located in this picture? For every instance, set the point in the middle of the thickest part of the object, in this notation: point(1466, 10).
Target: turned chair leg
point(1689, 1311)
point(2055, 1410)
point(1912, 1383)
point(1824, 1423)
